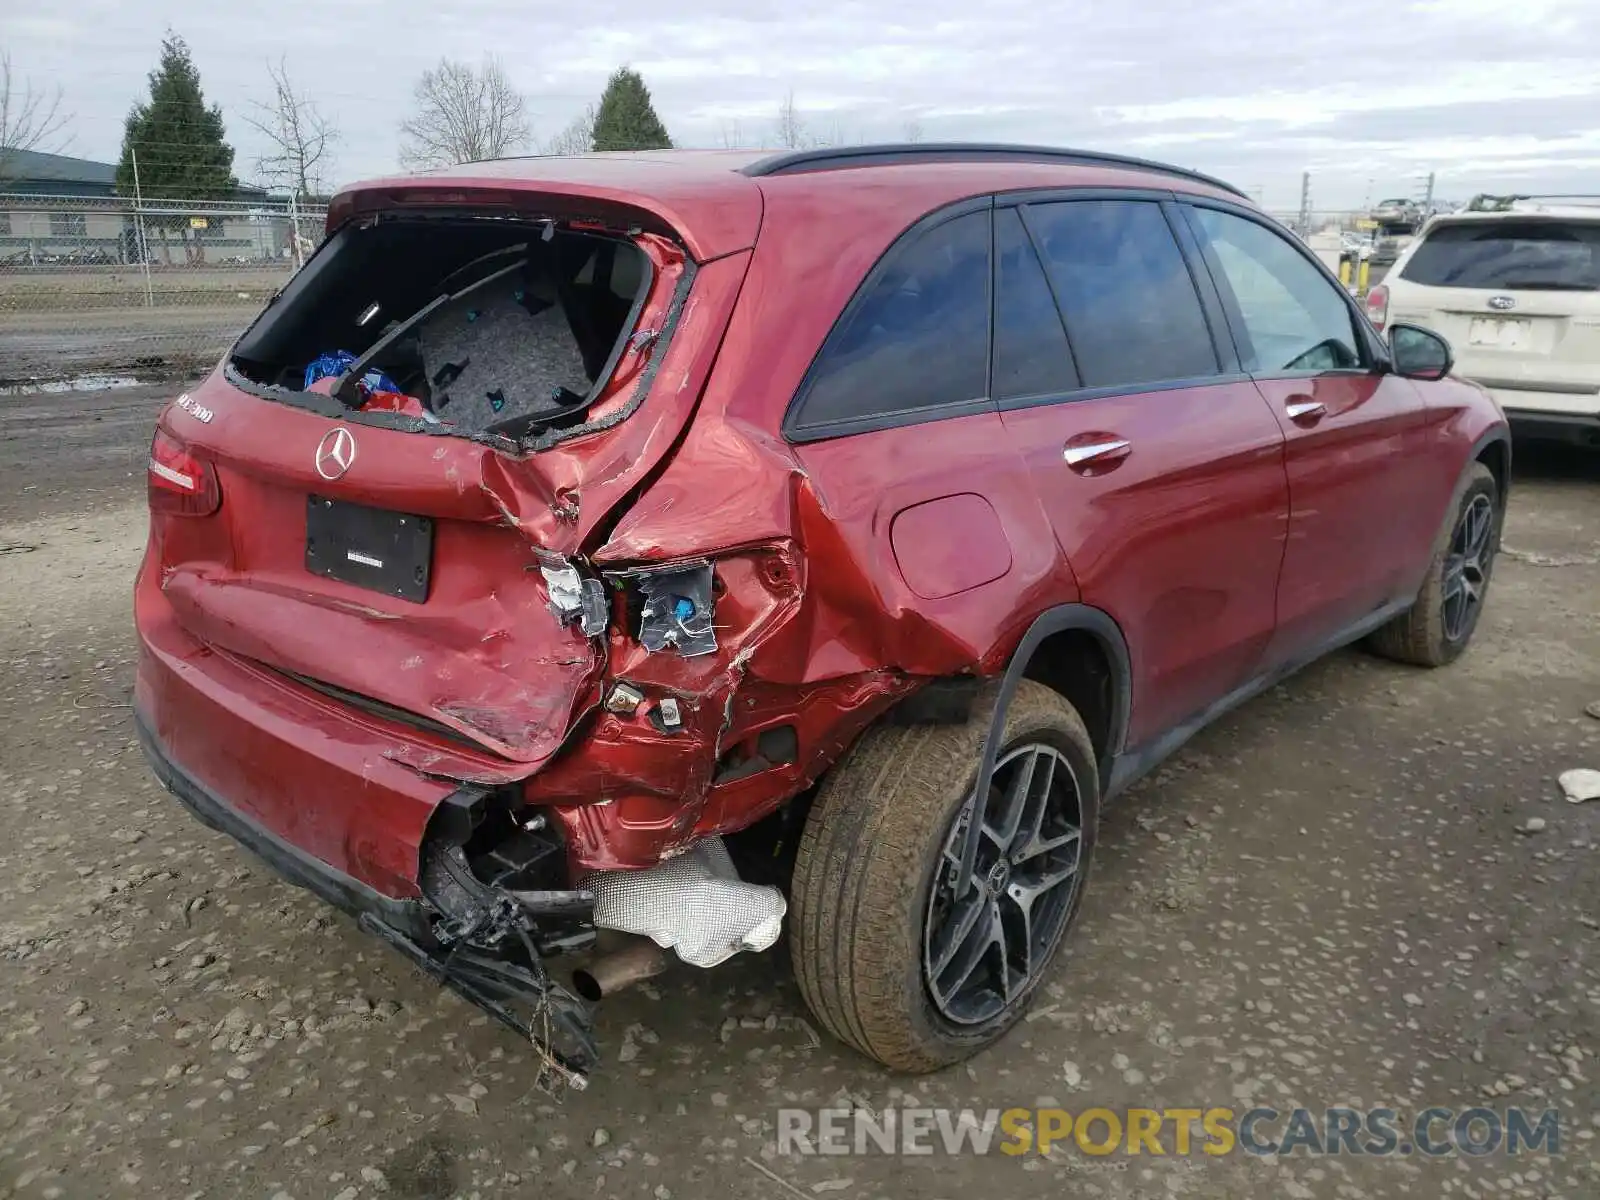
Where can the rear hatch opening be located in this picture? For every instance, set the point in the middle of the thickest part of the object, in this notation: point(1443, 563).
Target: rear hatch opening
point(484, 326)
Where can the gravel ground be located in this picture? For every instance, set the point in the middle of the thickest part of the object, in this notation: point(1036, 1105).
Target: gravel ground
point(1325, 899)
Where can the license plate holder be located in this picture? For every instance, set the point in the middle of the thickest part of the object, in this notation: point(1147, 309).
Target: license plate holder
point(1501, 332)
point(371, 548)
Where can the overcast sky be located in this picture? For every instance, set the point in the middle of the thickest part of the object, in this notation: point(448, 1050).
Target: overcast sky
point(1369, 97)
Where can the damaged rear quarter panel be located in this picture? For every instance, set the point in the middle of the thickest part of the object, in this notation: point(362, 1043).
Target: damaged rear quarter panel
point(845, 637)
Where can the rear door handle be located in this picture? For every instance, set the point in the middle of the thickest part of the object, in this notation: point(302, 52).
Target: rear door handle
point(1306, 410)
point(1085, 455)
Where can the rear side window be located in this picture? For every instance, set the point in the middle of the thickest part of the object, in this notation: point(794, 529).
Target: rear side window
point(1294, 316)
point(916, 339)
point(1030, 346)
point(1130, 305)
point(1509, 254)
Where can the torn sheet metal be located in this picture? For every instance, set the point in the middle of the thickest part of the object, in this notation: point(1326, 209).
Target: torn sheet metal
point(676, 607)
point(694, 904)
point(575, 597)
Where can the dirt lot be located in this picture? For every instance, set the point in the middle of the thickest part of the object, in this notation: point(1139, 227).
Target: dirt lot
point(57, 322)
point(50, 289)
point(1324, 900)
point(168, 342)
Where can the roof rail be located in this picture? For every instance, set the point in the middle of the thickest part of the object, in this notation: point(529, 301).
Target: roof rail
point(794, 162)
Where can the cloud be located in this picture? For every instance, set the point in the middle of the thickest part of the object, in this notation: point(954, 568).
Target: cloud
point(1370, 96)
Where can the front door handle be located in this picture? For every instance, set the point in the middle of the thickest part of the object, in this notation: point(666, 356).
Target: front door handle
point(1306, 409)
point(1086, 455)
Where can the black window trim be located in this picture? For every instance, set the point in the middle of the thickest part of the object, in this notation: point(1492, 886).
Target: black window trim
point(1007, 403)
point(794, 428)
point(1375, 353)
point(1228, 368)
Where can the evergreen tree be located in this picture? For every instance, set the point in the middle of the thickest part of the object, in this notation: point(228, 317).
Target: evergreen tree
point(179, 143)
point(626, 120)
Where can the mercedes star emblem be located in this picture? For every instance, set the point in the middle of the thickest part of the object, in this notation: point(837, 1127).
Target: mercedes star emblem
point(335, 453)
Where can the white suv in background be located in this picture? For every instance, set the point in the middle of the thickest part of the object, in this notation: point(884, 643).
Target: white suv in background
point(1516, 291)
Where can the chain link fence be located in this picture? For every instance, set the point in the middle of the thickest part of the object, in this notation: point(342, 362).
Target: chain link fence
point(102, 284)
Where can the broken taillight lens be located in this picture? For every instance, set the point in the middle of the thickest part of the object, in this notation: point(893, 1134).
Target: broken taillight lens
point(180, 483)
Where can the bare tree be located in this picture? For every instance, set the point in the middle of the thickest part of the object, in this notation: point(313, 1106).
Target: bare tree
point(791, 129)
point(911, 131)
point(836, 136)
point(302, 138)
point(732, 135)
point(577, 137)
point(463, 115)
point(29, 119)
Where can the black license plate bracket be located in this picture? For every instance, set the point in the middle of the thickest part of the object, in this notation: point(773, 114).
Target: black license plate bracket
point(371, 548)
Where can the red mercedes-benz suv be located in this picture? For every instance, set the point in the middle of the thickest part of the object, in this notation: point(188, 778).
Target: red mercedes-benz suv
point(648, 553)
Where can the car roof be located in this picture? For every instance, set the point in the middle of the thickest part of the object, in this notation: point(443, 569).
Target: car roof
point(1523, 210)
point(713, 199)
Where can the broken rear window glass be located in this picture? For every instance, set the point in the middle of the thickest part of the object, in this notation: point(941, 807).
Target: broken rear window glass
point(482, 326)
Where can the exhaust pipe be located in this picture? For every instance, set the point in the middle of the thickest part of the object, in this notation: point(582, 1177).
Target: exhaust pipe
point(610, 973)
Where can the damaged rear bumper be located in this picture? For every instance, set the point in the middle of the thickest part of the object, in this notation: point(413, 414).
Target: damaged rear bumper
point(518, 994)
point(338, 889)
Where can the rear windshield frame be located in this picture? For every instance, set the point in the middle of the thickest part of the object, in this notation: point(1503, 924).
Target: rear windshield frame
point(328, 406)
point(1449, 238)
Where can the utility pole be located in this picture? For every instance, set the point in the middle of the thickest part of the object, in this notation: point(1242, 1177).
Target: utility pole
point(294, 230)
point(1303, 221)
point(1427, 197)
point(138, 216)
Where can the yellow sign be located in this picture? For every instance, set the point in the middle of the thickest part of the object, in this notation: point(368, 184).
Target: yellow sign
point(1366, 223)
point(197, 222)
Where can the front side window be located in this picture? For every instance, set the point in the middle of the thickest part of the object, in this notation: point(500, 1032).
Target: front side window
point(917, 338)
point(1131, 309)
point(1294, 317)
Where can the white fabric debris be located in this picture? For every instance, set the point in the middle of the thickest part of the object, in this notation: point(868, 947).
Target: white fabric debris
point(565, 586)
point(1580, 784)
point(694, 904)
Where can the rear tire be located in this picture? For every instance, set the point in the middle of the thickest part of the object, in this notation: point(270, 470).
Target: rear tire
point(1437, 628)
point(874, 871)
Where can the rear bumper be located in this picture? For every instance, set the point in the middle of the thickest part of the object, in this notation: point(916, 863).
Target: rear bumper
point(310, 785)
point(1581, 429)
point(497, 986)
point(1533, 399)
point(335, 887)
point(309, 790)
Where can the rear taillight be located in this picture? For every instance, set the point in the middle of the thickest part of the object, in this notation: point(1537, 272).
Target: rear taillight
point(1378, 305)
point(180, 483)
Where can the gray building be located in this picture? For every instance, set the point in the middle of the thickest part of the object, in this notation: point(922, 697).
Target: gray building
point(58, 209)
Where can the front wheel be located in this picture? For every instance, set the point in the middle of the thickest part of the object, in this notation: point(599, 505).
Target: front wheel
point(1436, 629)
point(901, 948)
